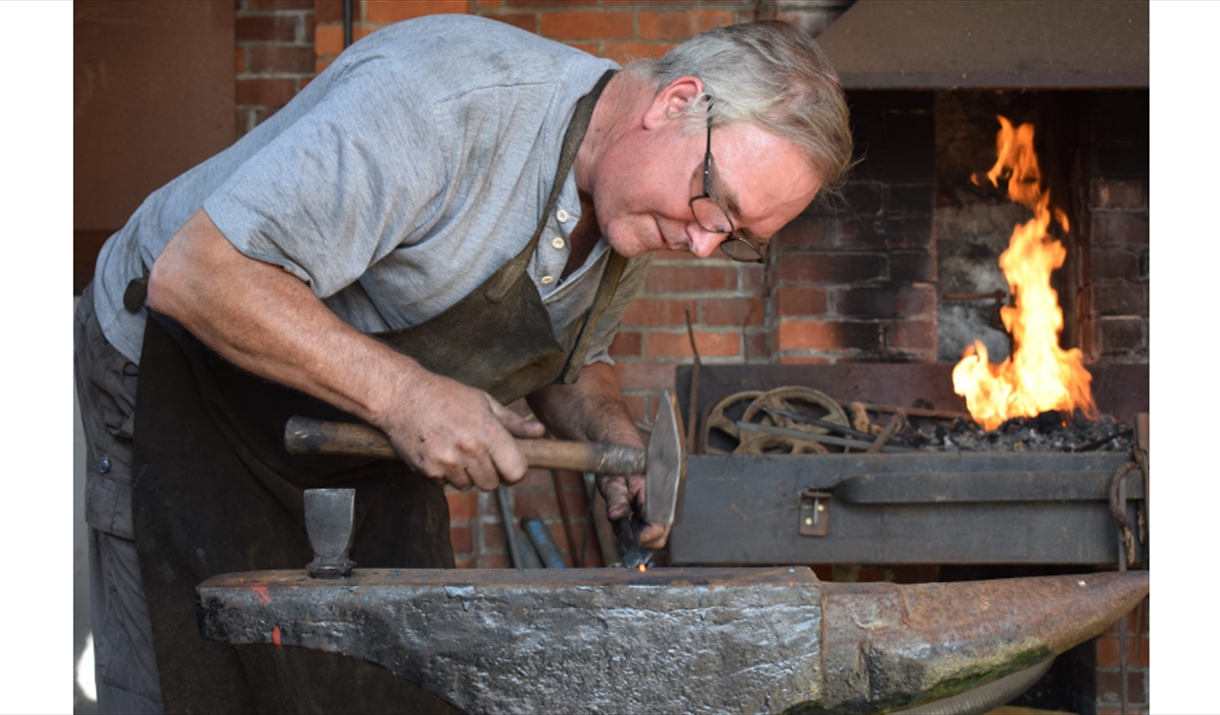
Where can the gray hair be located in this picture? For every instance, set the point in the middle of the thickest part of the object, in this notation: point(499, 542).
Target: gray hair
point(772, 75)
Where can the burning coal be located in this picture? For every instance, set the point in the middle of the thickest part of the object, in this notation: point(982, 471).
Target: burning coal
point(1038, 376)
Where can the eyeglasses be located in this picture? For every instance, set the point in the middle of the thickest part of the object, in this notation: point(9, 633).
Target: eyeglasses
point(712, 217)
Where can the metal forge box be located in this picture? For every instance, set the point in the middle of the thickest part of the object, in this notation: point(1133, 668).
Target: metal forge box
point(904, 508)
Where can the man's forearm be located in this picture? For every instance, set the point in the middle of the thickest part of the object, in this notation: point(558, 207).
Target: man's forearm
point(265, 320)
point(591, 409)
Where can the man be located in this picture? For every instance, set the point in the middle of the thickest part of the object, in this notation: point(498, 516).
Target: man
point(453, 215)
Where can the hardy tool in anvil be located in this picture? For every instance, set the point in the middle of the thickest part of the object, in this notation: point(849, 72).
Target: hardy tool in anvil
point(662, 463)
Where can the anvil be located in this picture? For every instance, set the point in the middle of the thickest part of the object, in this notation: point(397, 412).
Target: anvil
point(690, 640)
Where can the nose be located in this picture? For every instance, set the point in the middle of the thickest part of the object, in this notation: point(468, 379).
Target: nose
point(702, 241)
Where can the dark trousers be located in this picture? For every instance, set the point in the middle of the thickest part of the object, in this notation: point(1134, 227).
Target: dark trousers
point(126, 665)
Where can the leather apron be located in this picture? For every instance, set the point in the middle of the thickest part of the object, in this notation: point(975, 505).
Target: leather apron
point(215, 491)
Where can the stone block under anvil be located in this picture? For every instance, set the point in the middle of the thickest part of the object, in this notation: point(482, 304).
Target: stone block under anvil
point(690, 640)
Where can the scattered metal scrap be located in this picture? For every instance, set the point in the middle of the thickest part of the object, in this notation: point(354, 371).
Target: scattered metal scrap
point(801, 420)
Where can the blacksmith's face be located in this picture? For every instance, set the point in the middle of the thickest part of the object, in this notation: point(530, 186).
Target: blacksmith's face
point(643, 198)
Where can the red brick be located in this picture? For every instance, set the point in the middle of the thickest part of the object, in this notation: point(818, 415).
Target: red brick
point(1109, 686)
point(626, 344)
point(467, 563)
point(239, 61)
point(635, 406)
point(486, 4)
point(891, 301)
point(624, 52)
point(591, 48)
point(733, 311)
point(547, 4)
point(802, 360)
point(536, 505)
point(1119, 336)
point(644, 375)
point(753, 278)
point(462, 538)
point(756, 346)
point(828, 335)
point(587, 25)
point(681, 25)
point(525, 21)
point(660, 311)
point(319, 66)
point(1115, 263)
point(329, 40)
point(387, 11)
point(913, 267)
point(666, 345)
point(1121, 299)
point(911, 335)
point(272, 28)
point(577, 504)
point(492, 561)
point(802, 232)
point(280, 58)
point(690, 279)
point(463, 506)
point(270, 92)
point(533, 478)
point(278, 5)
point(800, 301)
point(830, 267)
point(1112, 194)
point(493, 538)
point(1119, 228)
point(1107, 651)
point(326, 11)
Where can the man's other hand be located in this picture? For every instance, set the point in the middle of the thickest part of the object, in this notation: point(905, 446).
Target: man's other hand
point(625, 494)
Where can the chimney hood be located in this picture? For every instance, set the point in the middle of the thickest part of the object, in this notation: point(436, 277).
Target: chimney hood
point(990, 44)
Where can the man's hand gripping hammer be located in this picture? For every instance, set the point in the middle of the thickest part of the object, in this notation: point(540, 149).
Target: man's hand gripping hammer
point(663, 463)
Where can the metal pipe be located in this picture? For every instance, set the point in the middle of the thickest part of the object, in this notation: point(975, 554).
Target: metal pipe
point(510, 532)
point(347, 23)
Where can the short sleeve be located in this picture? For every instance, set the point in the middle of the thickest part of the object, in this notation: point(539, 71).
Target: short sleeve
point(356, 176)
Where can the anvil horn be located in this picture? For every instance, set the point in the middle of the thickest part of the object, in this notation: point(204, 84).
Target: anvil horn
point(671, 640)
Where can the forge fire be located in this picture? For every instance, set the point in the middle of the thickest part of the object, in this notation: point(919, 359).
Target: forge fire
point(1039, 376)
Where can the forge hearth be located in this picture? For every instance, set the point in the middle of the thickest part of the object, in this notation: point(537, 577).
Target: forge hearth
point(1019, 507)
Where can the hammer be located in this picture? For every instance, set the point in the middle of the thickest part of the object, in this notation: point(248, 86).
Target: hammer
point(662, 464)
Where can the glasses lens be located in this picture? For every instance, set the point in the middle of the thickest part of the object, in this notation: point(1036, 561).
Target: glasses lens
point(710, 216)
point(739, 249)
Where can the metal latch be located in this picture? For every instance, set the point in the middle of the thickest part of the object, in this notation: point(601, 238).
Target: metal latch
point(814, 511)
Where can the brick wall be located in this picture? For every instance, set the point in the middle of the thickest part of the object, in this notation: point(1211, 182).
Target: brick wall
point(854, 277)
point(274, 56)
point(1117, 317)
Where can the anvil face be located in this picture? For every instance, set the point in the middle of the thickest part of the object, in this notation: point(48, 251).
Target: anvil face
point(669, 640)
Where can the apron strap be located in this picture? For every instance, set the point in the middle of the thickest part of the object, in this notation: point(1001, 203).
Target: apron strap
point(497, 289)
point(605, 292)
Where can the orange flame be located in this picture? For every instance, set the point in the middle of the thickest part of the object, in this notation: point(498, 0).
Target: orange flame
point(642, 568)
point(1039, 375)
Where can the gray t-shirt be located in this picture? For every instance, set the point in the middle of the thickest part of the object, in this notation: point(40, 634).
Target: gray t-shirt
point(396, 182)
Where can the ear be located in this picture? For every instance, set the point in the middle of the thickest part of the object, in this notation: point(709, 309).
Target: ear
point(672, 100)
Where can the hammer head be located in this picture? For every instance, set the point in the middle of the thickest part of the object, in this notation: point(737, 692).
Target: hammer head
point(666, 464)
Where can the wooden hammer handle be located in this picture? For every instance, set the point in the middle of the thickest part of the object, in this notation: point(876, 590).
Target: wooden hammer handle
point(305, 435)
